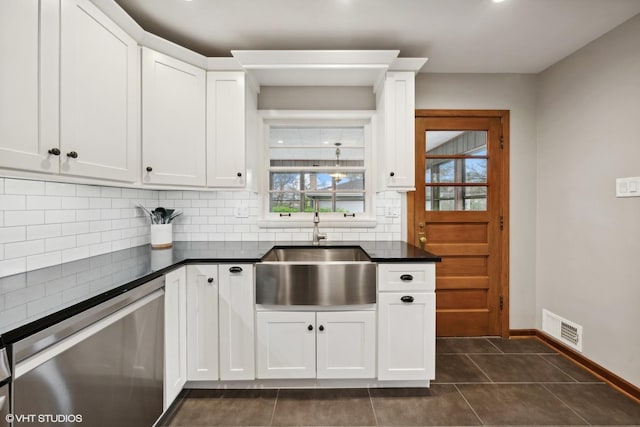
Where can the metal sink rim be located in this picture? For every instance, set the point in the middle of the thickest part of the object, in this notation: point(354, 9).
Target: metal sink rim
point(271, 257)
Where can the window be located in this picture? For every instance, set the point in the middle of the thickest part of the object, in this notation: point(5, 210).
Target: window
point(318, 160)
point(456, 171)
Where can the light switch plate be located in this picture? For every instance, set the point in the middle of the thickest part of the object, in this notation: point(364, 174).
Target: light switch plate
point(628, 187)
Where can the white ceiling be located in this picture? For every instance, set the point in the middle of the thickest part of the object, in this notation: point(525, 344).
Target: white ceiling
point(470, 36)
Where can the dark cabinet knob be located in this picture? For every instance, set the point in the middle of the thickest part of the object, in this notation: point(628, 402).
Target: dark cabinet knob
point(239, 174)
point(210, 280)
point(235, 269)
point(406, 298)
point(54, 151)
point(406, 277)
point(392, 174)
point(310, 327)
point(149, 168)
point(72, 154)
point(321, 328)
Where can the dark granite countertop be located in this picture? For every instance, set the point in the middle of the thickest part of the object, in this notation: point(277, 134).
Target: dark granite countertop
point(38, 299)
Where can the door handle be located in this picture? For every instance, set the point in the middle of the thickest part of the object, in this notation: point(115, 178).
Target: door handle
point(406, 298)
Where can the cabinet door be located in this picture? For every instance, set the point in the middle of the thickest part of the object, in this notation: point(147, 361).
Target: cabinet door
point(346, 344)
point(406, 336)
point(237, 355)
point(100, 95)
point(202, 322)
point(175, 334)
point(226, 129)
point(29, 81)
point(173, 121)
point(286, 344)
point(397, 105)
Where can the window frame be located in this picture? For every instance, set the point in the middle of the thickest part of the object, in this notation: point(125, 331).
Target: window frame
point(311, 118)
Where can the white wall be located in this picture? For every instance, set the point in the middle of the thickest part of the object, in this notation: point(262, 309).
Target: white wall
point(588, 242)
point(514, 92)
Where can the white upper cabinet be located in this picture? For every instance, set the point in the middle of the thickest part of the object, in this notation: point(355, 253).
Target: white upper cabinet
point(226, 109)
point(173, 121)
point(396, 112)
point(99, 95)
point(29, 85)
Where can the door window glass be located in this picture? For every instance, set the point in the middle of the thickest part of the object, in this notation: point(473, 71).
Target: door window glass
point(456, 176)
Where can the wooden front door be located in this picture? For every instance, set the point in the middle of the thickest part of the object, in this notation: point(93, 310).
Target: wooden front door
point(459, 212)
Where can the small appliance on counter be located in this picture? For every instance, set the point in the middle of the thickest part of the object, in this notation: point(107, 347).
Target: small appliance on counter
point(161, 226)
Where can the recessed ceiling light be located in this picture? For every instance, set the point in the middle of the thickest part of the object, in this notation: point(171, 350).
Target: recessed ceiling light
point(280, 141)
point(498, 1)
point(325, 142)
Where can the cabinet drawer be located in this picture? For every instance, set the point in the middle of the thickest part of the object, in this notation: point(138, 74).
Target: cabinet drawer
point(406, 277)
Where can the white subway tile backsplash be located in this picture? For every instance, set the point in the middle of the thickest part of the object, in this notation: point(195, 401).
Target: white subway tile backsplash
point(87, 191)
point(87, 215)
point(23, 186)
point(99, 203)
point(60, 189)
point(77, 221)
point(59, 216)
point(42, 231)
point(13, 266)
point(43, 260)
point(75, 203)
point(88, 239)
point(75, 228)
point(23, 249)
point(13, 202)
point(69, 255)
point(59, 243)
point(12, 234)
point(111, 192)
point(43, 202)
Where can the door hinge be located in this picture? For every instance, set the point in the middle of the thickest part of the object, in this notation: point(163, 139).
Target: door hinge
point(501, 302)
point(501, 142)
point(501, 222)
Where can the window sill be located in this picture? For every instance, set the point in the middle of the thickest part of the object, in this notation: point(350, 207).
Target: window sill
point(297, 223)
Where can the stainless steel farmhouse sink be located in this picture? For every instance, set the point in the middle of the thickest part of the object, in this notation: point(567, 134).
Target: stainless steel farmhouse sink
point(323, 276)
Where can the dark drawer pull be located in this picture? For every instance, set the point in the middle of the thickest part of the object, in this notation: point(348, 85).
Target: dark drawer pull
point(235, 270)
point(406, 298)
point(285, 214)
point(321, 328)
point(406, 277)
point(310, 328)
point(210, 280)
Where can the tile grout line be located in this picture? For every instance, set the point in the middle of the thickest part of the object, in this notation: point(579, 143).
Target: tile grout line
point(375, 417)
point(469, 404)
point(498, 348)
point(558, 368)
point(566, 404)
point(479, 368)
point(273, 412)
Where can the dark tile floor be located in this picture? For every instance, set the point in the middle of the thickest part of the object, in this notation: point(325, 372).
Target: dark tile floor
point(479, 381)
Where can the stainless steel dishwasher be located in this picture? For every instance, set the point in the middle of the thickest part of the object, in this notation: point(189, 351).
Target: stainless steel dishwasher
point(102, 367)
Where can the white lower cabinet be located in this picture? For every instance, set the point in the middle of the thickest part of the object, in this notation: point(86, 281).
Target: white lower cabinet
point(304, 344)
point(406, 336)
point(202, 322)
point(237, 355)
point(286, 344)
point(346, 344)
point(175, 334)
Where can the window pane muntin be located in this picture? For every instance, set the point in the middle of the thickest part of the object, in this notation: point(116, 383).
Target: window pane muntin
point(456, 198)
